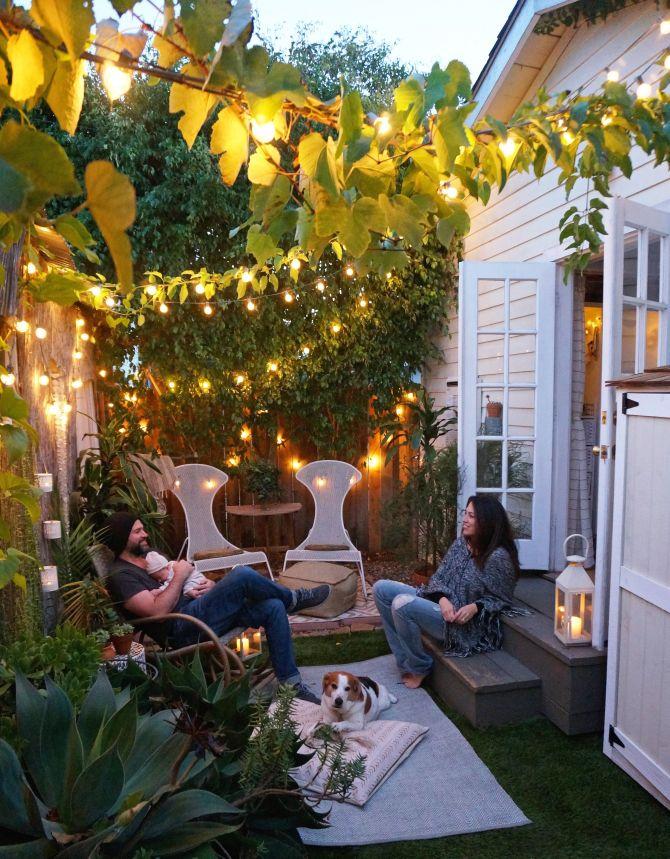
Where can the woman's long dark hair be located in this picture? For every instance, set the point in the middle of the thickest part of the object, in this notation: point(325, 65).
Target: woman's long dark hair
point(493, 531)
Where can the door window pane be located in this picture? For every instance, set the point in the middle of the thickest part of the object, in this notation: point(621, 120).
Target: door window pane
point(654, 267)
point(519, 507)
point(651, 340)
point(490, 304)
point(630, 264)
point(520, 464)
point(522, 295)
point(521, 411)
point(490, 411)
point(489, 464)
point(521, 358)
point(490, 358)
point(628, 339)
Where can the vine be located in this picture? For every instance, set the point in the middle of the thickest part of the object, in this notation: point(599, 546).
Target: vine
point(590, 11)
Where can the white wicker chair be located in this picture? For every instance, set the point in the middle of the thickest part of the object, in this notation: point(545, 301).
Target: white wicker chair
point(329, 481)
point(195, 487)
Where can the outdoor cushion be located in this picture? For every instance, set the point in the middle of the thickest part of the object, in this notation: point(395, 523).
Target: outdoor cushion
point(326, 547)
point(384, 744)
point(310, 574)
point(206, 554)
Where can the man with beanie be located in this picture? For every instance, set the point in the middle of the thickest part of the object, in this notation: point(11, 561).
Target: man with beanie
point(241, 598)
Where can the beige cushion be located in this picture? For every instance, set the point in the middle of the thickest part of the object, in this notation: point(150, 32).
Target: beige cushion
point(327, 547)
point(206, 554)
point(384, 745)
point(310, 574)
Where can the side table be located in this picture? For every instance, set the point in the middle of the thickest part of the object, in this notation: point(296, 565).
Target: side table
point(265, 513)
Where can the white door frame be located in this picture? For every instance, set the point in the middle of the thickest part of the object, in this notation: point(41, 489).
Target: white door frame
point(621, 213)
point(533, 553)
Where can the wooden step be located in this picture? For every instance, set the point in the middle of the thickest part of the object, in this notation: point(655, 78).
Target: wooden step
point(573, 678)
point(487, 688)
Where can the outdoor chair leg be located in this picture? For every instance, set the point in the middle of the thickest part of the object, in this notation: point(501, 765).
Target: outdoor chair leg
point(365, 589)
point(267, 564)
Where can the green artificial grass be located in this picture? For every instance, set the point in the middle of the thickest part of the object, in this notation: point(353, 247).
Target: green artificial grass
point(581, 804)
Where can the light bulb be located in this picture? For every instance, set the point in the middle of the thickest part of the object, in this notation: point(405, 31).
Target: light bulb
point(200, 288)
point(102, 374)
point(665, 27)
point(95, 291)
point(568, 138)
point(171, 385)
point(280, 438)
point(122, 430)
point(208, 310)
point(31, 268)
point(152, 289)
point(210, 484)
point(362, 301)
point(666, 61)
point(388, 275)
point(245, 433)
point(77, 355)
point(373, 461)
point(410, 396)
point(251, 305)
point(643, 89)
point(52, 409)
point(295, 264)
point(41, 333)
point(336, 327)
point(288, 297)
point(239, 379)
point(295, 464)
point(163, 307)
point(382, 124)
point(606, 120)
point(67, 408)
point(448, 190)
point(305, 351)
point(143, 424)
point(79, 322)
point(349, 271)
point(262, 131)
point(507, 147)
point(77, 383)
point(205, 384)
point(85, 336)
point(22, 326)
point(110, 405)
point(246, 276)
point(321, 286)
point(613, 75)
point(44, 380)
point(400, 410)
point(116, 81)
point(109, 301)
point(233, 461)
point(8, 379)
point(273, 367)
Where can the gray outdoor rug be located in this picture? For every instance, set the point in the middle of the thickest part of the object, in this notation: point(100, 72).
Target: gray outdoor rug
point(441, 789)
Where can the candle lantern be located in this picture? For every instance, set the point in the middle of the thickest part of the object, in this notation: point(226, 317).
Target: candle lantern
point(249, 643)
point(573, 615)
point(45, 481)
point(49, 578)
point(52, 529)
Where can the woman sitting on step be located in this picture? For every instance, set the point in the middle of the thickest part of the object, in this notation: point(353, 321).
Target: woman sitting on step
point(461, 603)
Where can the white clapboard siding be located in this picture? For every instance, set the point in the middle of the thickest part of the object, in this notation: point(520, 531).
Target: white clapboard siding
point(440, 375)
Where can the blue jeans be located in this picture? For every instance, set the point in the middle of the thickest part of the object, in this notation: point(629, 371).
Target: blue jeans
point(405, 616)
point(244, 598)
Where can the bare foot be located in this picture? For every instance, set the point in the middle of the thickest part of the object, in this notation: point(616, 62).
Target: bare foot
point(413, 681)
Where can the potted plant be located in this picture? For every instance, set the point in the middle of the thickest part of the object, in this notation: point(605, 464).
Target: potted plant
point(122, 637)
point(494, 409)
point(103, 640)
point(262, 480)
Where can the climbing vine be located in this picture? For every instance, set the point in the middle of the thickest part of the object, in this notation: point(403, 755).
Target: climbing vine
point(590, 11)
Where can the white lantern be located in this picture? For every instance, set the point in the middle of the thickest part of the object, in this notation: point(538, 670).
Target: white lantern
point(52, 529)
point(573, 614)
point(45, 481)
point(49, 578)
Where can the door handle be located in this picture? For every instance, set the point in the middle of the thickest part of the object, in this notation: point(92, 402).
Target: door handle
point(601, 451)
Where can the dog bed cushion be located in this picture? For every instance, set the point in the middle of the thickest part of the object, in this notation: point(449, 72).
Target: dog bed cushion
point(310, 574)
point(384, 745)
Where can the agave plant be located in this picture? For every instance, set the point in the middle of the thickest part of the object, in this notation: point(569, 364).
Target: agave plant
point(108, 783)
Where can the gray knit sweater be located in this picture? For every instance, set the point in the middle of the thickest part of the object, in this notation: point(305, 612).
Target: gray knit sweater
point(460, 580)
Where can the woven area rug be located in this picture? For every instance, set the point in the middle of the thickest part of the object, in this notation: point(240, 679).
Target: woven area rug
point(442, 788)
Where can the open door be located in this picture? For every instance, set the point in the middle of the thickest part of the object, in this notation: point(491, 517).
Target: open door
point(505, 392)
point(635, 337)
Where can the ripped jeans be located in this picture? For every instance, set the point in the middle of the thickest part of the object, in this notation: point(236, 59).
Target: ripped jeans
point(405, 616)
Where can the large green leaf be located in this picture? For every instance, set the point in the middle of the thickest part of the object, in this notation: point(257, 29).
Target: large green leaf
point(30, 709)
point(449, 136)
point(12, 405)
point(55, 739)
point(66, 93)
point(27, 66)
point(404, 217)
point(40, 849)
point(20, 490)
point(409, 100)
point(230, 139)
point(99, 705)
point(156, 770)
point(263, 166)
point(195, 104)
point(261, 245)
point(61, 287)
point(152, 732)
point(14, 815)
point(111, 201)
point(317, 160)
point(202, 21)
point(184, 839)
point(67, 22)
point(119, 730)
point(97, 789)
point(14, 187)
point(183, 808)
point(351, 117)
point(14, 440)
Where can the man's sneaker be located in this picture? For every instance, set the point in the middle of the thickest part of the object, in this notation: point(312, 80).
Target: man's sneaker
point(310, 597)
point(305, 694)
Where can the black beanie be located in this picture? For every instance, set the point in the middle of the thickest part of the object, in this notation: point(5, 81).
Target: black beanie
point(116, 531)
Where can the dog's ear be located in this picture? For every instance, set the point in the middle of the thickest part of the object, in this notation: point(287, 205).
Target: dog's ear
point(356, 689)
point(327, 680)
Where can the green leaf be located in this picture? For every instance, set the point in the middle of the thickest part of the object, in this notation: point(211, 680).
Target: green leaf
point(14, 189)
point(16, 795)
point(202, 21)
point(66, 93)
point(457, 221)
point(111, 201)
point(12, 405)
point(27, 66)
point(67, 21)
point(195, 104)
point(616, 140)
point(183, 808)
point(351, 117)
point(260, 244)
point(317, 160)
point(409, 99)
point(63, 288)
point(99, 705)
point(263, 166)
point(97, 789)
point(188, 836)
point(449, 136)
point(74, 231)
point(371, 175)
point(459, 87)
point(230, 139)
point(15, 441)
point(404, 217)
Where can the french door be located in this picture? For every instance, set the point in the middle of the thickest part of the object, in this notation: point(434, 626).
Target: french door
point(636, 327)
point(505, 391)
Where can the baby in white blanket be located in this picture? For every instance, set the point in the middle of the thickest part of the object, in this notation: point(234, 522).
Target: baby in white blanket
point(160, 568)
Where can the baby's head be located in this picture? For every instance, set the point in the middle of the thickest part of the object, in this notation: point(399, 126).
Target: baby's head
point(157, 565)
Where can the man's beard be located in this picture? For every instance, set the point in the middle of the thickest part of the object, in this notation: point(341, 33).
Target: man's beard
point(141, 550)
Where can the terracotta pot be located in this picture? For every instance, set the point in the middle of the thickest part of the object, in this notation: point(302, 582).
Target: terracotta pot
point(123, 643)
point(419, 579)
point(494, 410)
point(107, 652)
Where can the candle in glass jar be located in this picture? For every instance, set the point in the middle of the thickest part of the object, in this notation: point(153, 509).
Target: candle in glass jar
point(49, 578)
point(575, 627)
point(257, 640)
point(45, 481)
point(245, 646)
point(52, 529)
point(238, 645)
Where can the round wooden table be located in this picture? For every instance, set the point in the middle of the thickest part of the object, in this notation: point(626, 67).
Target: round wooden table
point(266, 512)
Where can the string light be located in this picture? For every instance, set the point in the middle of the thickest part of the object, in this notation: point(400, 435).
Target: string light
point(245, 433)
point(239, 379)
point(448, 190)
point(200, 288)
point(77, 355)
point(43, 380)
point(349, 271)
point(295, 264)
point(388, 275)
point(22, 326)
point(251, 306)
point(305, 350)
point(246, 276)
point(163, 307)
point(31, 268)
point(102, 374)
point(373, 461)
point(606, 120)
point(262, 130)
point(295, 464)
point(409, 396)
point(336, 327)
point(143, 424)
point(612, 75)
point(664, 27)
point(321, 286)
point(79, 322)
point(568, 138)
point(362, 301)
point(8, 379)
point(95, 291)
point(666, 61)
point(507, 147)
point(643, 89)
point(152, 289)
point(400, 410)
point(109, 301)
point(116, 81)
point(280, 439)
point(77, 383)
point(273, 366)
point(233, 461)
point(171, 385)
point(208, 309)
point(206, 385)
point(288, 297)
point(41, 333)
point(85, 336)
point(383, 124)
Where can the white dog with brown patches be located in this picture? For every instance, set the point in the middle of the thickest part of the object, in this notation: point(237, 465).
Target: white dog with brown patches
point(348, 702)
